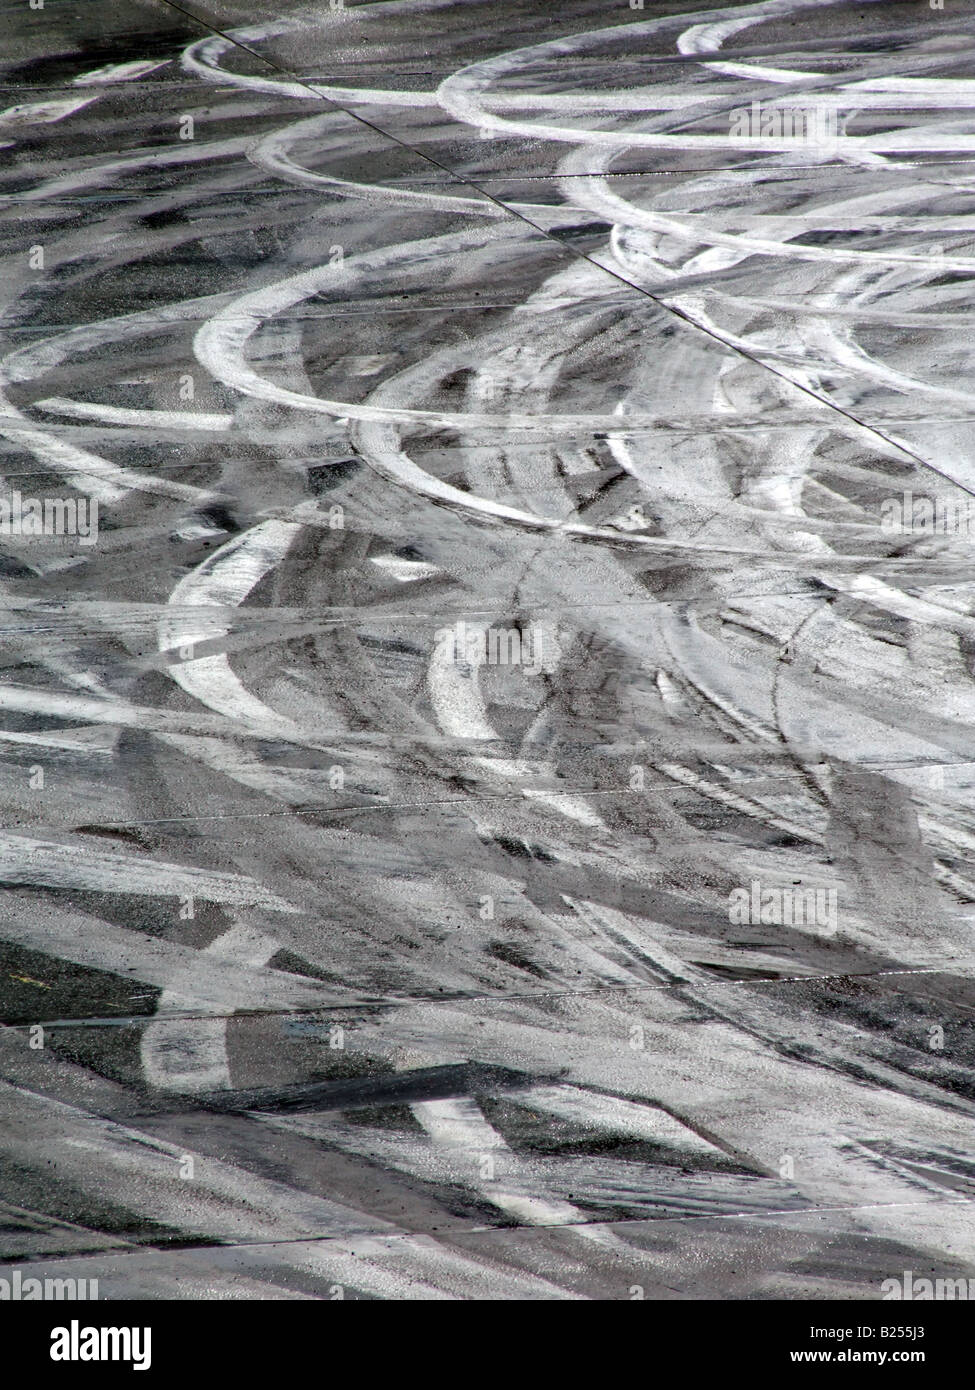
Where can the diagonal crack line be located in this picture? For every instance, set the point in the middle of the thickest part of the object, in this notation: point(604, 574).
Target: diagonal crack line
point(466, 182)
point(468, 1229)
point(368, 806)
point(391, 1001)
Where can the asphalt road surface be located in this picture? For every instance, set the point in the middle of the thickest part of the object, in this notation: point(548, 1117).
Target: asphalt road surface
point(486, 707)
